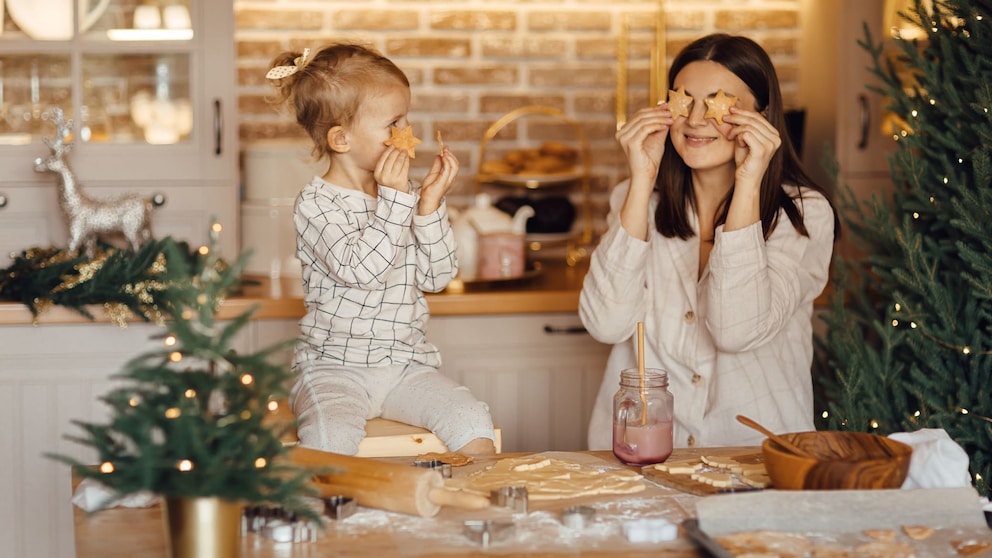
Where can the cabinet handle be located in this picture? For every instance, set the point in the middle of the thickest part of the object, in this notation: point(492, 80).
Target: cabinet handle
point(865, 120)
point(3, 201)
point(158, 199)
point(218, 127)
point(568, 330)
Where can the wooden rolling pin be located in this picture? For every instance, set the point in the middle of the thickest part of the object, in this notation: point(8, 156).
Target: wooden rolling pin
point(386, 486)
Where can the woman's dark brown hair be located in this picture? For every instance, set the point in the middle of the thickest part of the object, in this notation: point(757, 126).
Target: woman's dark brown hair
point(327, 88)
point(748, 61)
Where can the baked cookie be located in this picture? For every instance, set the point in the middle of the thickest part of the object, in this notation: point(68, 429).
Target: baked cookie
point(719, 106)
point(917, 532)
point(451, 458)
point(403, 139)
point(679, 102)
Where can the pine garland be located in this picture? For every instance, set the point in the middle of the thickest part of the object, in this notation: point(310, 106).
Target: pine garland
point(120, 280)
point(909, 342)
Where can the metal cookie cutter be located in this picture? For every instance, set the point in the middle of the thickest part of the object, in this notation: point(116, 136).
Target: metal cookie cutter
point(274, 522)
point(339, 507)
point(513, 497)
point(436, 464)
point(485, 532)
point(577, 517)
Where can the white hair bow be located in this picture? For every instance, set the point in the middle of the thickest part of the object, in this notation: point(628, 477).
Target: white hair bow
point(280, 72)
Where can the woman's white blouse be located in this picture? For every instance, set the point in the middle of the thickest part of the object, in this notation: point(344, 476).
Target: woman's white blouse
point(736, 341)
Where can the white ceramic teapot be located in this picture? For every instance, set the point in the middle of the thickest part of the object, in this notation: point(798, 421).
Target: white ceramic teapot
point(489, 244)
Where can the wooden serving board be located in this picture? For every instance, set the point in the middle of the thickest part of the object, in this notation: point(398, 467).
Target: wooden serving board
point(685, 483)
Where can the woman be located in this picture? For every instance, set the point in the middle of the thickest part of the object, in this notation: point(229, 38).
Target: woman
point(719, 242)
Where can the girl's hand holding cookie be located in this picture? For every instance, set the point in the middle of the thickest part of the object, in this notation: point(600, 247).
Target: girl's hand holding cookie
point(438, 181)
point(393, 169)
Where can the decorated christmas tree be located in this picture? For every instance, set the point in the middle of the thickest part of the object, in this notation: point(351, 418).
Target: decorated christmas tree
point(909, 344)
point(189, 419)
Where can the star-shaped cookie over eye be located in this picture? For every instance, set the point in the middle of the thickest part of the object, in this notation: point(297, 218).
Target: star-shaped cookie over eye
point(679, 102)
point(719, 106)
point(403, 139)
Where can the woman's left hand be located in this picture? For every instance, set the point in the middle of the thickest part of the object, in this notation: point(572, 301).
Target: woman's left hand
point(438, 181)
point(756, 143)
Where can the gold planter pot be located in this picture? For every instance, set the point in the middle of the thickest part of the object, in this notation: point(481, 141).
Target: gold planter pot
point(202, 527)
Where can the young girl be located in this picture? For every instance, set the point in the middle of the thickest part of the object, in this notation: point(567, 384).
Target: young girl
point(370, 241)
point(719, 242)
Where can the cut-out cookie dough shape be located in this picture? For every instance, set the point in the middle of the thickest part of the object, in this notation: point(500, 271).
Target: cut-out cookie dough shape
point(719, 106)
point(549, 479)
point(403, 139)
point(719, 480)
point(679, 102)
point(679, 467)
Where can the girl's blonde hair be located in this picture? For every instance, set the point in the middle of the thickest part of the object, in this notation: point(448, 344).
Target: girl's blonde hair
point(327, 88)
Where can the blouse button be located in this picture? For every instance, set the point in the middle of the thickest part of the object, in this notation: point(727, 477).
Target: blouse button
point(691, 441)
point(690, 316)
point(697, 379)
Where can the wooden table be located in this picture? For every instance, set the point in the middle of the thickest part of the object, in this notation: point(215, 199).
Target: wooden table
point(128, 532)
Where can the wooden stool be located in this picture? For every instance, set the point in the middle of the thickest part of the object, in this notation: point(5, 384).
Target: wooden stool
point(383, 437)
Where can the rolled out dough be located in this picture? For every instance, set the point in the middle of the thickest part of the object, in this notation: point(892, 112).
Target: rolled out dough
point(549, 479)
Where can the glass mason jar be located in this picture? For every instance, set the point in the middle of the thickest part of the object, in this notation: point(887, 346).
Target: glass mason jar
point(643, 410)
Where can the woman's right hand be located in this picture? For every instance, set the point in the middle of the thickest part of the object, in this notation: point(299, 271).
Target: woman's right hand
point(643, 140)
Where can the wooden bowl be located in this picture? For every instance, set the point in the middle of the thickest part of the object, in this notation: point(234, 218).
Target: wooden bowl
point(842, 460)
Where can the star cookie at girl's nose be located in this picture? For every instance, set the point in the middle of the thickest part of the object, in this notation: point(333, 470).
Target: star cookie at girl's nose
point(403, 139)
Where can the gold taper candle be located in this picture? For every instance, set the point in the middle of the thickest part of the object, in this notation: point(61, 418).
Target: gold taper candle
point(658, 74)
point(622, 44)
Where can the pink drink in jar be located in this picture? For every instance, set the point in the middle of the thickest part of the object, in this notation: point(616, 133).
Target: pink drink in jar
point(643, 445)
point(643, 413)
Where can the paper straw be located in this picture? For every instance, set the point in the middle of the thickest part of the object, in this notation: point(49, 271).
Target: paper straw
point(640, 372)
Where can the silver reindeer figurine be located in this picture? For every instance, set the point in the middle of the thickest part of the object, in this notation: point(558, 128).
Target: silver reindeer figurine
point(87, 218)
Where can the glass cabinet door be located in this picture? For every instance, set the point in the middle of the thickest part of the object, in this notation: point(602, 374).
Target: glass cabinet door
point(131, 74)
point(124, 96)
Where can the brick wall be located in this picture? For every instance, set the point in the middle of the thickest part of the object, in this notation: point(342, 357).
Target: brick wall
point(471, 61)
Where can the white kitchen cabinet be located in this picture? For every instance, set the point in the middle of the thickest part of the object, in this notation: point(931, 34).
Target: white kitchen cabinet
point(151, 115)
point(50, 375)
point(539, 373)
point(844, 119)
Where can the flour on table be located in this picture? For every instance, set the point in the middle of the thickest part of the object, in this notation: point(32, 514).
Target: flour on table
point(549, 479)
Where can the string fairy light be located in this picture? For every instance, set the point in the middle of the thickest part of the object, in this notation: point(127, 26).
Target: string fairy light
point(106, 467)
point(914, 324)
point(273, 405)
point(247, 379)
point(260, 463)
point(173, 413)
point(185, 465)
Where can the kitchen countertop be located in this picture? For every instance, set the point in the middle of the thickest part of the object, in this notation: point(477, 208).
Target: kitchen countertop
point(375, 533)
point(551, 286)
point(836, 521)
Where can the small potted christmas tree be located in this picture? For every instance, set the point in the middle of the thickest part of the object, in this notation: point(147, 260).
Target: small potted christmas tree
point(188, 421)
